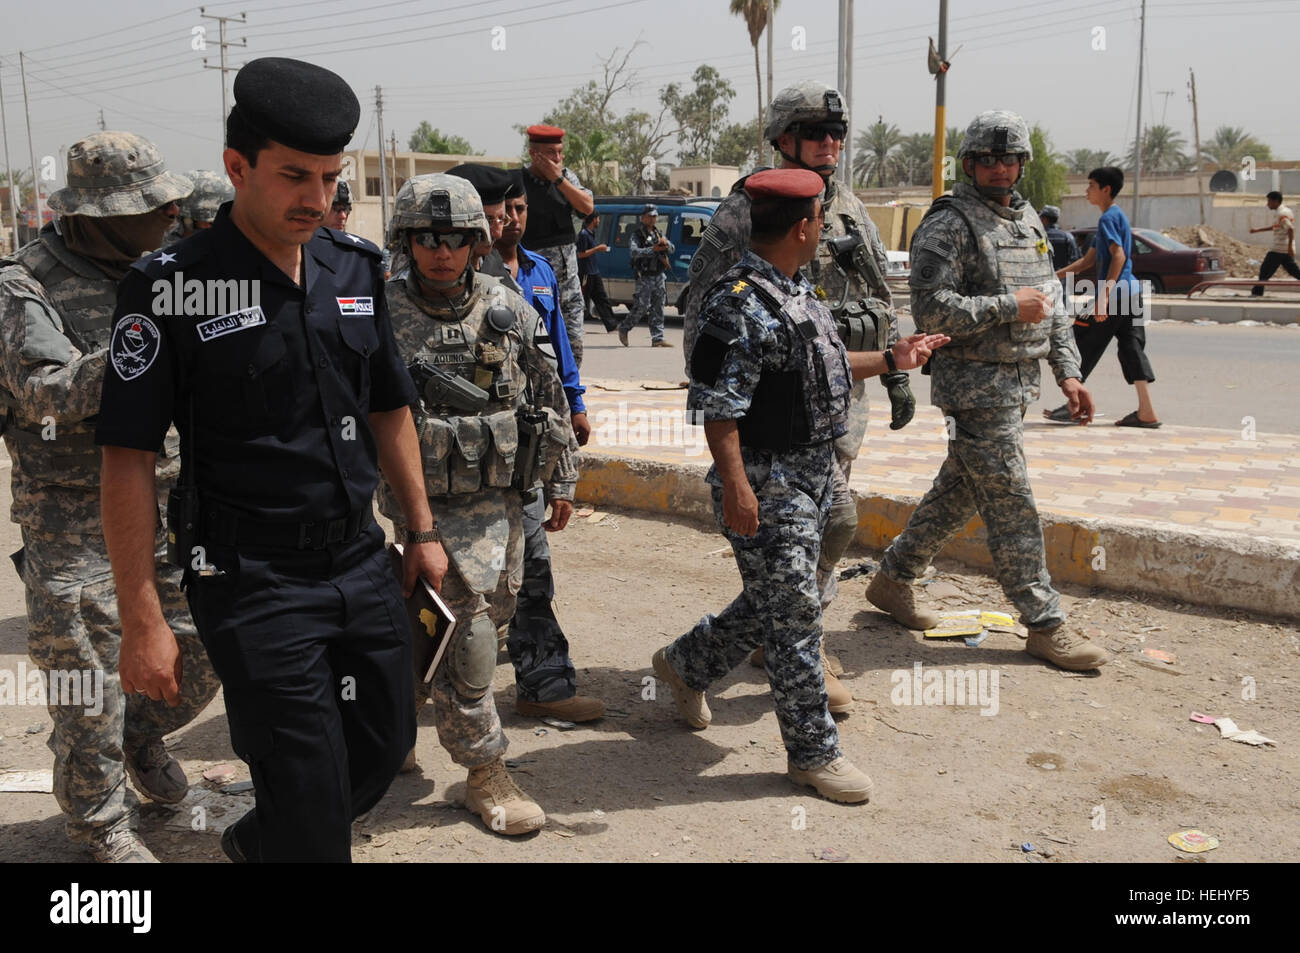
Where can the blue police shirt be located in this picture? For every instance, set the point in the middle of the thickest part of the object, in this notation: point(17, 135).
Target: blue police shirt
point(536, 281)
point(271, 398)
point(1113, 227)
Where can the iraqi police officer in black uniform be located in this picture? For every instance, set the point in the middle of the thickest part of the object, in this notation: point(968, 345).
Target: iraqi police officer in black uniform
point(285, 405)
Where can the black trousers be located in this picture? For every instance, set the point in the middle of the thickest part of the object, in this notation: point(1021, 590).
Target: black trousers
point(1271, 263)
point(314, 655)
point(593, 286)
point(1130, 336)
point(536, 643)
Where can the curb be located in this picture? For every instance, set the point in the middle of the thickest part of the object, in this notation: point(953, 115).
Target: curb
point(1208, 568)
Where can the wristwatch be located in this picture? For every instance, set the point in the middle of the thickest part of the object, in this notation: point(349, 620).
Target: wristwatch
point(423, 536)
point(889, 361)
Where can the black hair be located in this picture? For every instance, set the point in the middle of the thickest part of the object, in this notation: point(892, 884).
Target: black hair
point(245, 140)
point(1108, 176)
point(1274, 195)
point(591, 218)
point(772, 218)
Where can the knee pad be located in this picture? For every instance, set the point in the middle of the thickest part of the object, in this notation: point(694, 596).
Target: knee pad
point(472, 657)
point(841, 527)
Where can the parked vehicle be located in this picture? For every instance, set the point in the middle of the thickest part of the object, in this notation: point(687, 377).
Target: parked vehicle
point(1169, 265)
point(682, 219)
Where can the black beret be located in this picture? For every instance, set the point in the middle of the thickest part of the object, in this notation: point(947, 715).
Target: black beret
point(493, 185)
point(516, 189)
point(297, 104)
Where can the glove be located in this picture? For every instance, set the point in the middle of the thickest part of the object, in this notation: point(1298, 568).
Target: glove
point(902, 402)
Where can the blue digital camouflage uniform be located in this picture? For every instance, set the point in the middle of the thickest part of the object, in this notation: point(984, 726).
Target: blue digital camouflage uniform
point(779, 607)
point(969, 256)
point(651, 281)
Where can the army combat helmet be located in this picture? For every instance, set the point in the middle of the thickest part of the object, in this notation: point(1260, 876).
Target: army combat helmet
point(342, 196)
point(997, 132)
point(809, 103)
point(117, 173)
point(211, 191)
point(435, 201)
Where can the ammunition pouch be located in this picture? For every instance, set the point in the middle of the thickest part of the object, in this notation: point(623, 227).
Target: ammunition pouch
point(776, 419)
point(467, 454)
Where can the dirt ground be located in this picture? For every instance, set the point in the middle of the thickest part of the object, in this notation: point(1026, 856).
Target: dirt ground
point(1084, 768)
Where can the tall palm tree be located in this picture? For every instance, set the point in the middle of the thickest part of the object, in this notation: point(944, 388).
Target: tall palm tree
point(1232, 144)
point(873, 151)
point(755, 14)
point(916, 158)
point(591, 157)
point(1162, 151)
point(1083, 161)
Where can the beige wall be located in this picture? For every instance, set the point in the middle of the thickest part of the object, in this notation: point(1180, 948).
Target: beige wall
point(701, 180)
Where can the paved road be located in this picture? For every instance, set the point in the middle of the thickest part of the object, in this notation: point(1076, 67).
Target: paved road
point(1206, 376)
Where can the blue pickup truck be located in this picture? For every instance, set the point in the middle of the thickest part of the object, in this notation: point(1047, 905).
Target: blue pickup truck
point(682, 218)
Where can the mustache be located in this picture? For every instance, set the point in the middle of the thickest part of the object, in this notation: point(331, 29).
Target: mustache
point(305, 213)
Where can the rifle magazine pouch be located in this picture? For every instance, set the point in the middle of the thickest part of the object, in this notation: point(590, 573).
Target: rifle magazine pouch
point(499, 462)
point(436, 439)
point(465, 473)
point(555, 440)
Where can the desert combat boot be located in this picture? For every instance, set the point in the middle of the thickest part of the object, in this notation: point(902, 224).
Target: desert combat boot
point(504, 807)
point(691, 704)
point(898, 600)
point(838, 781)
point(1066, 648)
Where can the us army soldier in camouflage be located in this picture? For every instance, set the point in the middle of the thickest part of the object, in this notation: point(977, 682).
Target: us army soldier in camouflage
point(772, 381)
point(469, 342)
point(57, 297)
point(807, 124)
point(982, 272)
point(199, 208)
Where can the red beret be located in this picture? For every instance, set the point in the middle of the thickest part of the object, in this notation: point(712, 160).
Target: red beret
point(545, 134)
point(784, 184)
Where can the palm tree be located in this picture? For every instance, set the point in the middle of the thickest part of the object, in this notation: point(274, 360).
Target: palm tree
point(1162, 151)
point(1232, 144)
point(916, 158)
point(755, 14)
point(1083, 161)
point(591, 156)
point(873, 151)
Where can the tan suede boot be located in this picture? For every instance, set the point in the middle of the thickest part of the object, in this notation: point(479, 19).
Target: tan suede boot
point(899, 601)
point(504, 807)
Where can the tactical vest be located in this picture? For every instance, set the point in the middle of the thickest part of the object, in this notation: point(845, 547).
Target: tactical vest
point(648, 267)
point(550, 217)
point(1013, 253)
point(464, 452)
point(807, 401)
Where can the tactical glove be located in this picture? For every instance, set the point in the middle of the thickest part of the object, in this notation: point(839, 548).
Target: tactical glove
point(903, 404)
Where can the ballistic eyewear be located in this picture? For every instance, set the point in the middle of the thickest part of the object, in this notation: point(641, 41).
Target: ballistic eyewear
point(452, 240)
point(989, 162)
point(836, 130)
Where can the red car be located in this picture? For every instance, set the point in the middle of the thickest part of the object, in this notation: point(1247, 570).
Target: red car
point(1168, 264)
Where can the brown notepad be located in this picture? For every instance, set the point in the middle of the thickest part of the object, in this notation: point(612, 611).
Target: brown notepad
point(431, 621)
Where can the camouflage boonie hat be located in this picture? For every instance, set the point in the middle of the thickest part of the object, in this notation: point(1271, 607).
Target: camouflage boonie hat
point(809, 101)
point(117, 173)
point(211, 191)
point(437, 201)
point(996, 132)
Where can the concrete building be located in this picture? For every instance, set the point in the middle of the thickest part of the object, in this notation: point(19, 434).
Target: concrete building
point(705, 181)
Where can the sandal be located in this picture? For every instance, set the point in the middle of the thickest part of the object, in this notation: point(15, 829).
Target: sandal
point(1061, 414)
point(1132, 420)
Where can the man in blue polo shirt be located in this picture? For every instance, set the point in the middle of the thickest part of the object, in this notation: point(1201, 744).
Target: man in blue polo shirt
point(545, 681)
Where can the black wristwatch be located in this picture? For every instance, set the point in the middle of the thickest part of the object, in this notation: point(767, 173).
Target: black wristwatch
point(423, 536)
point(889, 361)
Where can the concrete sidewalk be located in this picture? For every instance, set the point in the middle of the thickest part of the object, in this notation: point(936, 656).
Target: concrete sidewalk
point(1209, 516)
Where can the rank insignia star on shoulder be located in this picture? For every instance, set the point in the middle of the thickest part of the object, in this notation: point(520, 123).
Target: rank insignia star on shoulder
point(165, 259)
point(739, 286)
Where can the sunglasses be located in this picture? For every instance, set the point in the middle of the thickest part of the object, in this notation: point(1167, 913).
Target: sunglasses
point(452, 240)
point(990, 161)
point(836, 130)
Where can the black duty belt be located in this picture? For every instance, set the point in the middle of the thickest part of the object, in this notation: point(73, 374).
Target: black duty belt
point(226, 527)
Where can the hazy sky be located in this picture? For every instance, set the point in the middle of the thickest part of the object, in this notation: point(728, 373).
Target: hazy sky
point(435, 61)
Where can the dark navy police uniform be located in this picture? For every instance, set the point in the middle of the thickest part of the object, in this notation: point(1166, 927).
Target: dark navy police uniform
point(299, 610)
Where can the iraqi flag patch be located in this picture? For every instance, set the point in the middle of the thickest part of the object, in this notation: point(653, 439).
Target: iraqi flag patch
point(354, 307)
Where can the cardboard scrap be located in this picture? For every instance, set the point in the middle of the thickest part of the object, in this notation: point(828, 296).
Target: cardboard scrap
point(1228, 729)
point(34, 782)
point(1193, 841)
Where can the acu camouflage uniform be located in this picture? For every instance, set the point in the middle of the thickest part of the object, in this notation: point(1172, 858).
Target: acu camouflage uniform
point(722, 245)
point(468, 464)
point(56, 311)
point(211, 191)
point(970, 254)
point(779, 608)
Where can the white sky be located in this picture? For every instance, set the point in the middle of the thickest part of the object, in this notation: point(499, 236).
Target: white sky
point(434, 60)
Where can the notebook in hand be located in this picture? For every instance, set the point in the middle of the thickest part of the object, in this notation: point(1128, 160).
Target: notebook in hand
point(431, 621)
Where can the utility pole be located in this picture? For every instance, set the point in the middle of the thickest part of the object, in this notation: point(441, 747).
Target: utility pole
point(102, 127)
point(844, 80)
point(14, 192)
point(1196, 133)
point(392, 133)
point(383, 176)
point(1137, 146)
point(940, 127)
point(222, 44)
point(771, 24)
point(1164, 110)
point(31, 150)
